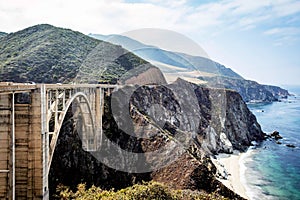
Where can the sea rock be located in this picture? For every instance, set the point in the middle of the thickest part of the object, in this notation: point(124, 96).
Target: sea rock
point(291, 145)
point(276, 135)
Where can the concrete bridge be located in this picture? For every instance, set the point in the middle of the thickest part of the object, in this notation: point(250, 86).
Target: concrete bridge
point(31, 116)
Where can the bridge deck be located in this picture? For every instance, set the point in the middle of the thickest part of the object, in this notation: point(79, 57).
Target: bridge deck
point(20, 87)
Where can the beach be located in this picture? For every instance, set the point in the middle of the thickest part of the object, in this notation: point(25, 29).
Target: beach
point(229, 172)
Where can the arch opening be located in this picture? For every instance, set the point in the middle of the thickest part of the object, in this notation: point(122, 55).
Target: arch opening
point(82, 114)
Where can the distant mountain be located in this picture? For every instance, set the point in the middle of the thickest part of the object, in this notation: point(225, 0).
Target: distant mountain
point(126, 42)
point(197, 69)
point(47, 54)
point(171, 59)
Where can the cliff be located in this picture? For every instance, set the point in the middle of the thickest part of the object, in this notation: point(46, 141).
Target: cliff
point(277, 91)
point(250, 91)
point(166, 133)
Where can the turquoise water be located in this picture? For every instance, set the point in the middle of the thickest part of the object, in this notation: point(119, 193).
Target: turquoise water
point(273, 170)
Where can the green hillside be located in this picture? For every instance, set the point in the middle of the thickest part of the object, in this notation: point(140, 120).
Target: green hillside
point(47, 54)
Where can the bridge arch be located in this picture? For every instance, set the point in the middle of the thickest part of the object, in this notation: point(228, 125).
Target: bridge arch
point(88, 123)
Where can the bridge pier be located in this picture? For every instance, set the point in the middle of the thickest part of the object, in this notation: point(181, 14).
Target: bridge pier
point(38, 177)
point(5, 144)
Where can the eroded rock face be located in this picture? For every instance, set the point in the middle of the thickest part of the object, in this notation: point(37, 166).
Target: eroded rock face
point(182, 123)
point(217, 120)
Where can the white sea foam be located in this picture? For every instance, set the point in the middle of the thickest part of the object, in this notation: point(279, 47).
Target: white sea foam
point(242, 162)
point(251, 179)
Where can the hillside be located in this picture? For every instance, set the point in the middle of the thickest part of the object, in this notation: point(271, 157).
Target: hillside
point(47, 54)
point(197, 69)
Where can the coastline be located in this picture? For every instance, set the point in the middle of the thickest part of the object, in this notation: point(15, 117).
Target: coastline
point(230, 170)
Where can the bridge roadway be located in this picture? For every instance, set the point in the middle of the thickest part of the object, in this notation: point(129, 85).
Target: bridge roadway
point(31, 116)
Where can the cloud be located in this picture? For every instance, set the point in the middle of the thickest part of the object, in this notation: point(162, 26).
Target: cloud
point(117, 16)
point(87, 16)
point(284, 35)
point(286, 8)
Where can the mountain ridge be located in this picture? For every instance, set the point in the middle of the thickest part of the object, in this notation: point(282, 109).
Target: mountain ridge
point(198, 69)
point(167, 57)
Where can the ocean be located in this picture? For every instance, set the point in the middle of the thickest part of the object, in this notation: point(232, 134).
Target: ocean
point(272, 171)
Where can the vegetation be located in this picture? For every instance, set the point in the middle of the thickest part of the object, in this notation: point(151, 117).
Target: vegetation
point(147, 190)
point(47, 54)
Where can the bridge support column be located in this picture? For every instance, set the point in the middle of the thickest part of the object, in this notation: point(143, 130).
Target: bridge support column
point(99, 103)
point(5, 147)
point(38, 179)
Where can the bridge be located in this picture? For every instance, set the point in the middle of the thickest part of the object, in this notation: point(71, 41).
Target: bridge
point(31, 116)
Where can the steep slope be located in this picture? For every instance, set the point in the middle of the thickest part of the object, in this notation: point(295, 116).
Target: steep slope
point(47, 54)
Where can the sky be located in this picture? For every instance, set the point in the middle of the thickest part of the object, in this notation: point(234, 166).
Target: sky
point(259, 39)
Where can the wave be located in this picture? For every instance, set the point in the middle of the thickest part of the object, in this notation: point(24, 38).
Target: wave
point(251, 179)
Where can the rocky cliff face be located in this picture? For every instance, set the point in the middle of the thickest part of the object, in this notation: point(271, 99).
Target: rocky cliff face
point(250, 91)
point(215, 119)
point(277, 91)
point(170, 131)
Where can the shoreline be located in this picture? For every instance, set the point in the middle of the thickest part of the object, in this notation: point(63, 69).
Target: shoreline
point(230, 170)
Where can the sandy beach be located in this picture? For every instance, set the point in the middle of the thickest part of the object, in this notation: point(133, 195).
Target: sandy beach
point(229, 172)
